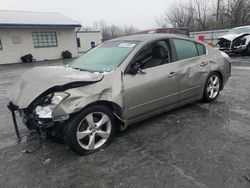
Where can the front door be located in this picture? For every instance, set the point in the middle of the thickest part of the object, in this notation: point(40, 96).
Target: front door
point(156, 86)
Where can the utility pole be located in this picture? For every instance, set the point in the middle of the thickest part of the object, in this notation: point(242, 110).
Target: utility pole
point(218, 10)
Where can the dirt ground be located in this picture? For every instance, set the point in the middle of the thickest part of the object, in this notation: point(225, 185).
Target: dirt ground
point(199, 145)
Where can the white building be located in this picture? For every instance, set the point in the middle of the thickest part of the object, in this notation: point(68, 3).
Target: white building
point(44, 35)
point(88, 39)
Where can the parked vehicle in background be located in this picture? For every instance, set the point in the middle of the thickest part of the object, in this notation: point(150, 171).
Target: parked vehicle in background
point(118, 83)
point(237, 40)
point(178, 30)
point(210, 37)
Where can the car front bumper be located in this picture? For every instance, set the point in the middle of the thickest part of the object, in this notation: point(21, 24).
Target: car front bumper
point(235, 49)
point(32, 122)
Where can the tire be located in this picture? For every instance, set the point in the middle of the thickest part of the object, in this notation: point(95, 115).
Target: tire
point(212, 87)
point(90, 130)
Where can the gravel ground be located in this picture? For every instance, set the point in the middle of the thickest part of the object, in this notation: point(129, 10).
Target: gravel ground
point(198, 145)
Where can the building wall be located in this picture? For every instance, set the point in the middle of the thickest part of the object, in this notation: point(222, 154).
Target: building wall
point(19, 42)
point(87, 37)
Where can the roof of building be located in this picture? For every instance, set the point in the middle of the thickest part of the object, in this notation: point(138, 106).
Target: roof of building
point(28, 19)
point(88, 31)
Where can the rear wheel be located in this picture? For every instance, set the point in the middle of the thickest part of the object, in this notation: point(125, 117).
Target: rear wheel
point(91, 130)
point(212, 88)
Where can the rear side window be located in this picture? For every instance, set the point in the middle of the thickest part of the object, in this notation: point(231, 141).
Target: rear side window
point(201, 49)
point(185, 49)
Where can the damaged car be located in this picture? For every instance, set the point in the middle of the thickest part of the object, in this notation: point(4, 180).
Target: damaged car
point(118, 83)
point(237, 41)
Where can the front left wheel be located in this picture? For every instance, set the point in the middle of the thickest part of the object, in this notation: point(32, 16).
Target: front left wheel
point(91, 130)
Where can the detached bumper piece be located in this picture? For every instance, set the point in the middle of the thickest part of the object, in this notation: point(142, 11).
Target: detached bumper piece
point(13, 108)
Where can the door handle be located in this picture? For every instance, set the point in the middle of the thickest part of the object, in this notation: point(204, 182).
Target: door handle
point(203, 64)
point(172, 74)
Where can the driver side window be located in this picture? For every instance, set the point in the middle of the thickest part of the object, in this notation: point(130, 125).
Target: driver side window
point(154, 54)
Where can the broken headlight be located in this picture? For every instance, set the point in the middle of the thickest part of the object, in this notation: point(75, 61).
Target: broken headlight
point(239, 41)
point(243, 41)
point(51, 101)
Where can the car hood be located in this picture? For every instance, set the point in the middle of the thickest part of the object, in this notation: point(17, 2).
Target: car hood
point(231, 37)
point(55, 78)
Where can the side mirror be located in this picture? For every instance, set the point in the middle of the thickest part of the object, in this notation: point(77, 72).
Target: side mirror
point(134, 69)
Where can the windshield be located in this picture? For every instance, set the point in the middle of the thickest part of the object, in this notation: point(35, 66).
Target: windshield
point(105, 57)
point(239, 30)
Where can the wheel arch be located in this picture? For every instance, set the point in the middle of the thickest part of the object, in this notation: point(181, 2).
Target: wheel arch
point(221, 78)
point(114, 107)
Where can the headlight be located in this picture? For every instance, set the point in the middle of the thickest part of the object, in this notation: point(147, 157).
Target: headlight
point(45, 110)
point(243, 41)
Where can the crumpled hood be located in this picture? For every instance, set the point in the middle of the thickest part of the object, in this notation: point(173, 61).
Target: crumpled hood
point(38, 80)
point(231, 37)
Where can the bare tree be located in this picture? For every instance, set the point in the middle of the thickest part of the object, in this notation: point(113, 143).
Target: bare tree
point(128, 30)
point(111, 31)
point(236, 12)
point(202, 14)
point(178, 16)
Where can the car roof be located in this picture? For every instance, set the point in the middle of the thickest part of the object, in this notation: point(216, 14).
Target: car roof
point(148, 37)
point(246, 26)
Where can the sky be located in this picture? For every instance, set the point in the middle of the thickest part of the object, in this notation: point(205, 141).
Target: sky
point(139, 13)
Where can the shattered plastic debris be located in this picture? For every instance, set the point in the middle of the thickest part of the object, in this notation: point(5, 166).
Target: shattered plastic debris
point(247, 177)
point(47, 161)
point(32, 143)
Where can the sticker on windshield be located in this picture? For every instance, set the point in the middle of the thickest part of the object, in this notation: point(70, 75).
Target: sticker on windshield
point(126, 45)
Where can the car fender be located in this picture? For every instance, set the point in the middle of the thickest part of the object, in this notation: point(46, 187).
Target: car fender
point(221, 65)
point(107, 90)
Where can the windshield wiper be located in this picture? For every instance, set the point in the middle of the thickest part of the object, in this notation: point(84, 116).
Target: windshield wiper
point(81, 69)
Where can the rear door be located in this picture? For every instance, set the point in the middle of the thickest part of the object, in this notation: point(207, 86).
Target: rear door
point(194, 66)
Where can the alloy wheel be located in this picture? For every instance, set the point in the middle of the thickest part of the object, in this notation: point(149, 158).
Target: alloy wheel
point(213, 86)
point(94, 130)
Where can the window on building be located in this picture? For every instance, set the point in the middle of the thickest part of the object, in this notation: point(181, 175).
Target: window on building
point(44, 39)
point(1, 46)
point(185, 49)
point(78, 41)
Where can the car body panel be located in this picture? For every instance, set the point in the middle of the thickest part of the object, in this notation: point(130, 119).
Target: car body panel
point(109, 90)
point(193, 75)
point(38, 80)
point(152, 90)
point(231, 37)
